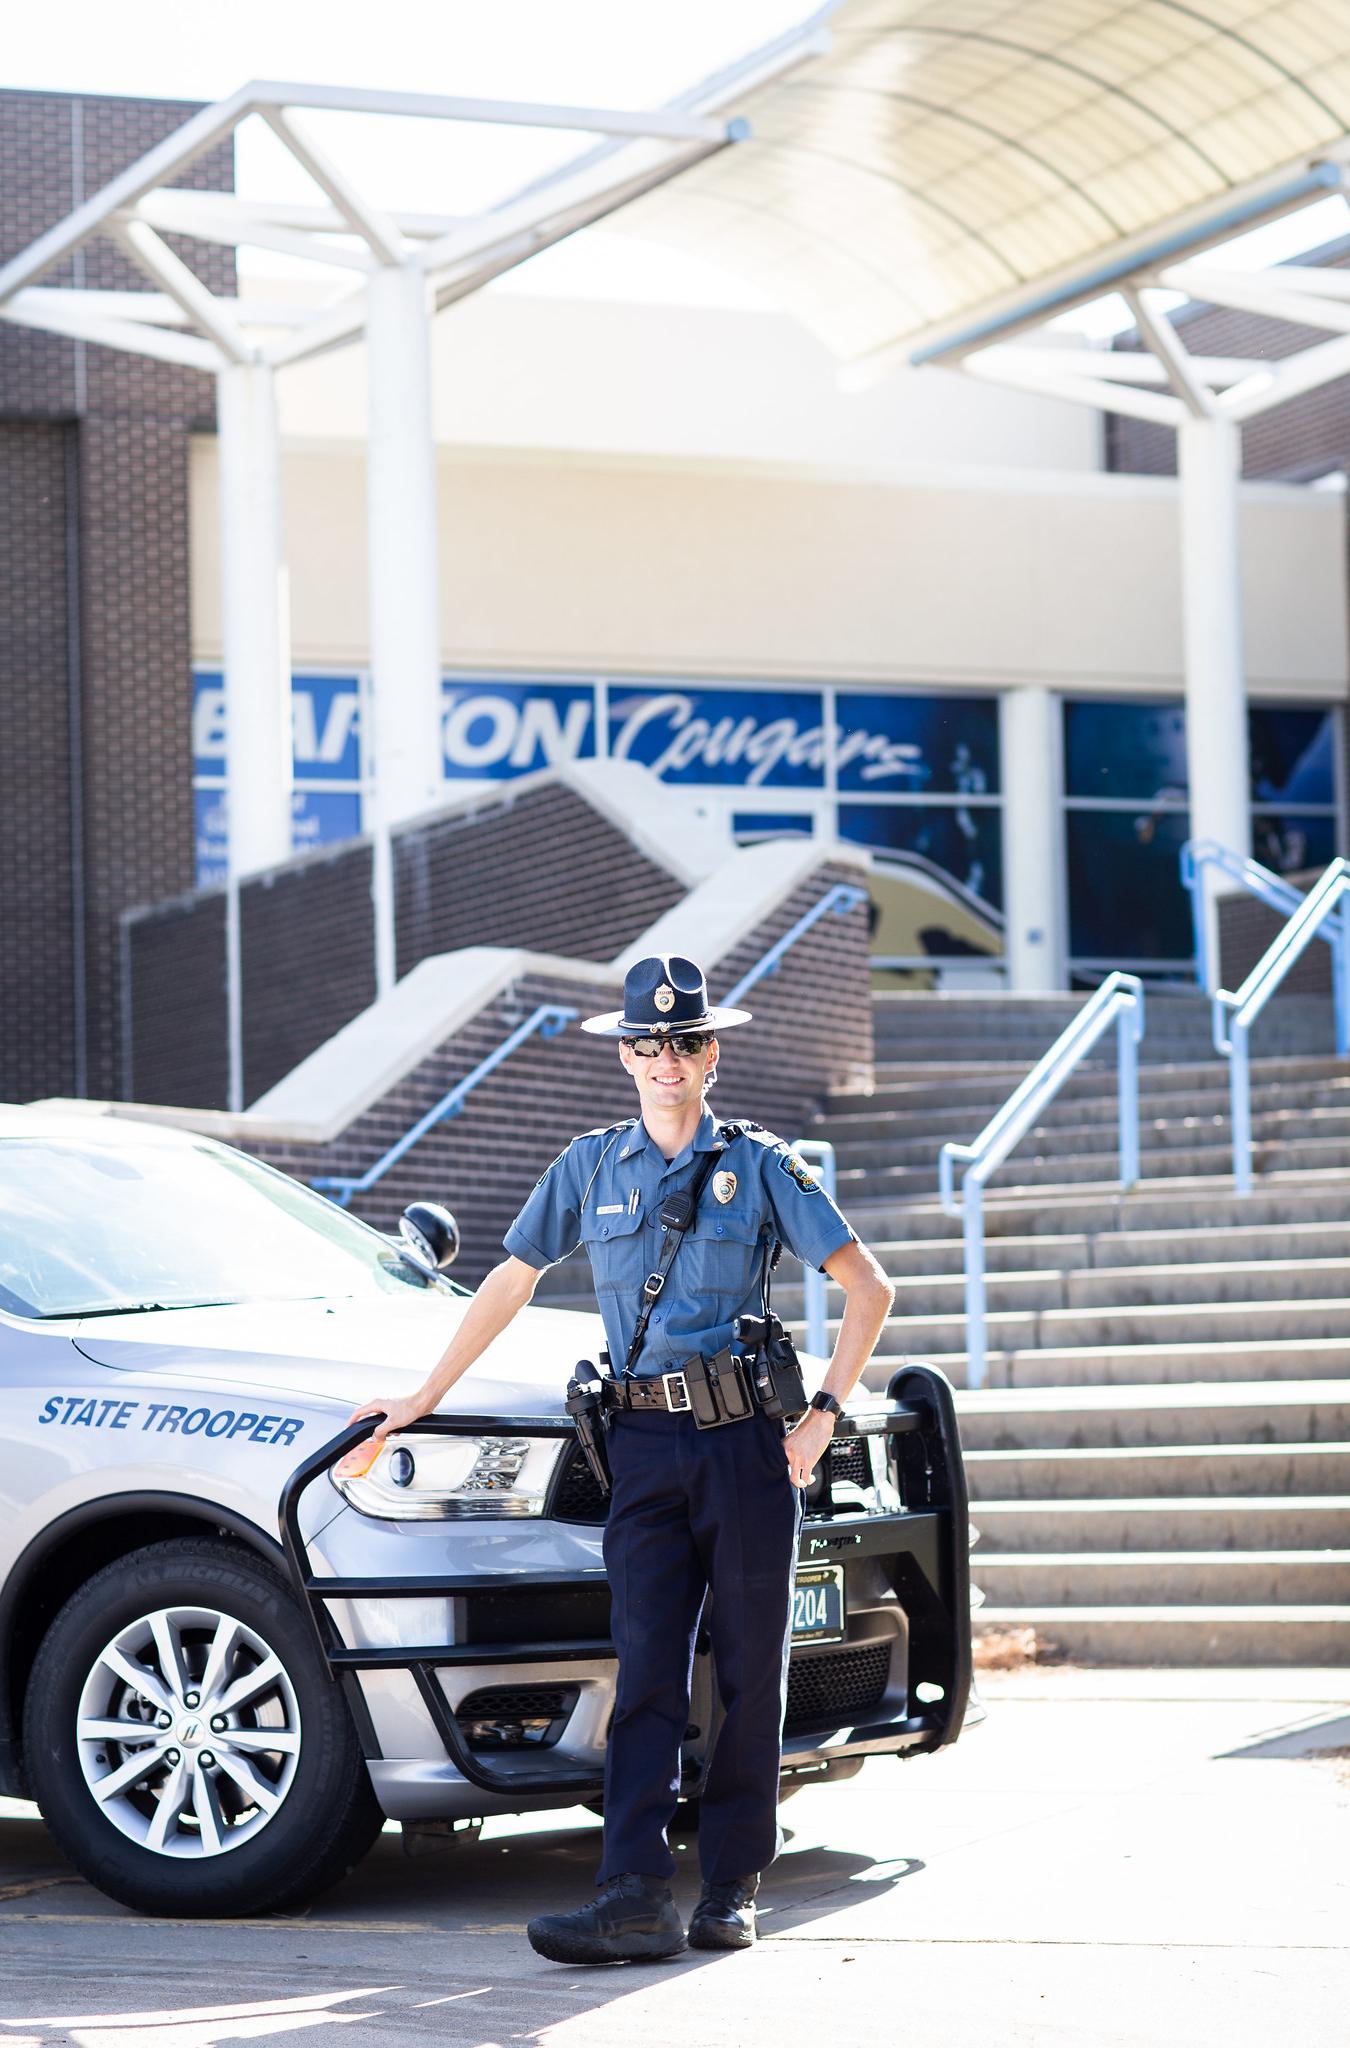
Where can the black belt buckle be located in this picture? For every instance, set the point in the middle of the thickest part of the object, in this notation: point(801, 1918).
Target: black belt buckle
point(719, 1389)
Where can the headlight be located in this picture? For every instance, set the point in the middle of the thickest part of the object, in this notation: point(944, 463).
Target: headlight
point(448, 1478)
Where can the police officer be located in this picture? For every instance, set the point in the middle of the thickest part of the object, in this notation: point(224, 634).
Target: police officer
point(695, 1511)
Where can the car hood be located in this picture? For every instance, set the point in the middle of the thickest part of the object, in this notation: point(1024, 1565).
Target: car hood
point(347, 1351)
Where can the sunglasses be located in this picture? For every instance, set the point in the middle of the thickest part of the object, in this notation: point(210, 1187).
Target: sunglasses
point(686, 1044)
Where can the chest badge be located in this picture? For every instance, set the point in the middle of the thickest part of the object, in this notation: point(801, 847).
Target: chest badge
point(664, 998)
point(723, 1186)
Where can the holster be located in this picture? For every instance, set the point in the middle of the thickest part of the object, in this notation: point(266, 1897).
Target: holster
point(587, 1410)
point(719, 1389)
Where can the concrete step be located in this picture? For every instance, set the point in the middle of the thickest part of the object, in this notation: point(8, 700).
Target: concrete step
point(1202, 1635)
point(1307, 1522)
point(1163, 1578)
point(983, 1085)
point(1075, 1418)
point(891, 1140)
point(1222, 1280)
point(1228, 1241)
point(1025, 1172)
point(1195, 1322)
point(1145, 1365)
point(894, 1116)
point(1277, 1322)
point(1113, 1288)
point(1206, 1201)
point(1184, 1470)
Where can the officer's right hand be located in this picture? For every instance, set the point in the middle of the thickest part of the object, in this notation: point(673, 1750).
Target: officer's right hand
point(395, 1415)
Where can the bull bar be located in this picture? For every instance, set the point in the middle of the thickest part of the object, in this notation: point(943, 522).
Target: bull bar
point(923, 1551)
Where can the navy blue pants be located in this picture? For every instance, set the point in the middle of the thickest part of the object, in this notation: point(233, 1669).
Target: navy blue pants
point(695, 1512)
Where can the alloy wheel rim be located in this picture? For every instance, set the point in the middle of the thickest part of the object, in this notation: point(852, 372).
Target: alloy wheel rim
point(188, 1732)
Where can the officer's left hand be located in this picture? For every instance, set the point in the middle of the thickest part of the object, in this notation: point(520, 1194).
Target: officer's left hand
point(806, 1445)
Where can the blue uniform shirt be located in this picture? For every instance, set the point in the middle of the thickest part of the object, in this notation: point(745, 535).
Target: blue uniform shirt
point(604, 1192)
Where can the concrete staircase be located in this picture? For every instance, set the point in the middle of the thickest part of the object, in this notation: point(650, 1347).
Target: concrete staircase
point(1160, 1462)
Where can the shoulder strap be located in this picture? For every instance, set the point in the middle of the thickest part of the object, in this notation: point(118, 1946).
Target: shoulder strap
point(677, 1213)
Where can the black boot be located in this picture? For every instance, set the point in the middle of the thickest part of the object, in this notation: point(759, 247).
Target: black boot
point(725, 1914)
point(631, 1920)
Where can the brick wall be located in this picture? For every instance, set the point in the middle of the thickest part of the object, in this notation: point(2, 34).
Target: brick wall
point(116, 572)
point(1246, 928)
point(37, 969)
point(812, 1029)
point(1303, 438)
point(307, 958)
point(177, 1046)
point(542, 870)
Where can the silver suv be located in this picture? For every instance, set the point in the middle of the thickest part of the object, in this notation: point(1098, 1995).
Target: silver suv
point(221, 1668)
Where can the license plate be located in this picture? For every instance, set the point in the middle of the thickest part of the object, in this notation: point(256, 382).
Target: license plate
point(818, 1604)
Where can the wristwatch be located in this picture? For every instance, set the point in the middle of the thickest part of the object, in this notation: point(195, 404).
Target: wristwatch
point(827, 1404)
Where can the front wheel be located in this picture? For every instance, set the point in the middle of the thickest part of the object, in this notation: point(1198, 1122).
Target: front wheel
point(185, 1743)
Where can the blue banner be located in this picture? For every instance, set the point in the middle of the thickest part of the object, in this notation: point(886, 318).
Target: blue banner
point(325, 726)
point(493, 730)
point(753, 739)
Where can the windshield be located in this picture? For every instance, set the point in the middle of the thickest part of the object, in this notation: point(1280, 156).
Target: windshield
point(92, 1226)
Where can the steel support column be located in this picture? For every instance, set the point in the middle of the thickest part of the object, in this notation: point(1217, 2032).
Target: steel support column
point(1209, 464)
point(405, 747)
point(255, 635)
point(1033, 839)
point(254, 621)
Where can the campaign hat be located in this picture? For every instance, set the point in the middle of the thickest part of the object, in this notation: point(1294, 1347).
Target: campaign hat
point(664, 993)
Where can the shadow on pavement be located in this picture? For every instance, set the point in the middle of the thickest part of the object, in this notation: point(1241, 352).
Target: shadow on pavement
point(1307, 1739)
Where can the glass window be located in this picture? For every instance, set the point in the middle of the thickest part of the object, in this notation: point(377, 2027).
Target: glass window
point(87, 1227)
point(1135, 751)
point(923, 745)
point(1292, 756)
point(956, 841)
point(1126, 901)
point(1292, 844)
point(748, 827)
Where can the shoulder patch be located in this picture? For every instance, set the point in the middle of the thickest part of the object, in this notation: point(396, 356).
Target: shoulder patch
point(796, 1169)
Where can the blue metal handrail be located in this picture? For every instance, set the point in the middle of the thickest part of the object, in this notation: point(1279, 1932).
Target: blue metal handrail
point(548, 1020)
point(1238, 1011)
point(844, 896)
point(1272, 889)
point(820, 1152)
point(1261, 882)
point(1119, 1001)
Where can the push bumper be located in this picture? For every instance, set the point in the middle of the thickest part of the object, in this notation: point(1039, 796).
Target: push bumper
point(909, 1600)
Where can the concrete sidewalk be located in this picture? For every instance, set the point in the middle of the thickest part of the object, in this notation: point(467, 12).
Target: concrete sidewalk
point(1115, 1857)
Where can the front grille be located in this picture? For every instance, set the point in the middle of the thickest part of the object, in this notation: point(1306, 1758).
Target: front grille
point(515, 1716)
point(835, 1688)
point(577, 1497)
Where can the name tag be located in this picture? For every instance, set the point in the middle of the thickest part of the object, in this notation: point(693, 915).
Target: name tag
point(609, 1208)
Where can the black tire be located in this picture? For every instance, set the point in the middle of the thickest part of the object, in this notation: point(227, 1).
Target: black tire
point(327, 1816)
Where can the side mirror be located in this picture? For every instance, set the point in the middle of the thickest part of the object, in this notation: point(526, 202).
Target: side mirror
point(430, 1236)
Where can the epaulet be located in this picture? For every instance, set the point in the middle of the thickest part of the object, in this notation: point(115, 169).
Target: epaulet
point(625, 1123)
point(743, 1127)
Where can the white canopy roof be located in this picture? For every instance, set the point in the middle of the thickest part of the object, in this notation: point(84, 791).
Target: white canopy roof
point(956, 166)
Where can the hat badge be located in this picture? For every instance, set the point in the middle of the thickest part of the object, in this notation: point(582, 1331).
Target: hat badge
point(664, 998)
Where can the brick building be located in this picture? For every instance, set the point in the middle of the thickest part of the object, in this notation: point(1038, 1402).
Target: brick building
point(95, 762)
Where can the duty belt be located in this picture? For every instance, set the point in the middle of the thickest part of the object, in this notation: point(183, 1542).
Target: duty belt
point(668, 1391)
